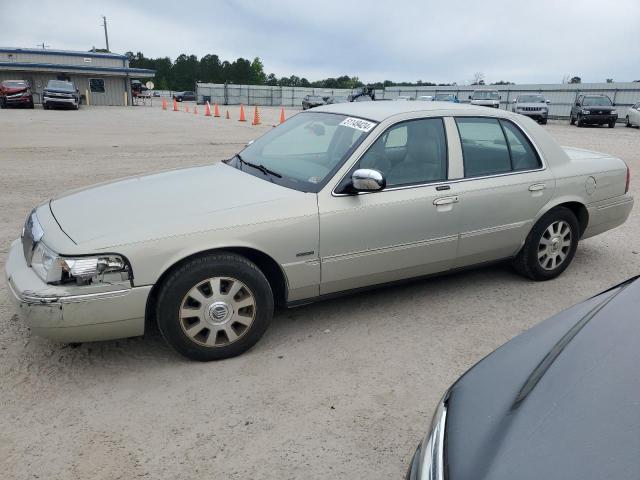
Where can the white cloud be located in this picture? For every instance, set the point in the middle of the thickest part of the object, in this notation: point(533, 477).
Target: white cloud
point(515, 40)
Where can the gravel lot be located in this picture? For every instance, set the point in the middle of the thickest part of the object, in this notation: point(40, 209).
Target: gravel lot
point(342, 389)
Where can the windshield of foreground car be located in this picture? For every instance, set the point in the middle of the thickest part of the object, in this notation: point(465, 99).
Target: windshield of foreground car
point(531, 99)
point(305, 151)
point(60, 85)
point(596, 102)
point(485, 96)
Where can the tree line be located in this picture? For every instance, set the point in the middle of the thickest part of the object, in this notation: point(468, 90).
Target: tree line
point(186, 70)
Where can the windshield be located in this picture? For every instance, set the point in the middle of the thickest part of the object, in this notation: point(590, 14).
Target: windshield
point(15, 84)
point(485, 95)
point(60, 85)
point(531, 99)
point(596, 102)
point(305, 151)
point(313, 98)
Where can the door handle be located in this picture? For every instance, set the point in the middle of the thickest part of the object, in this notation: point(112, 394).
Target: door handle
point(445, 200)
point(536, 187)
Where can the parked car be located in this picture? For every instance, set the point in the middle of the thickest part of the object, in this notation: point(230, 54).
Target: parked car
point(485, 98)
point(156, 94)
point(425, 98)
point(593, 109)
point(402, 98)
point(367, 193)
point(60, 93)
point(633, 116)
point(15, 93)
point(184, 96)
point(558, 401)
point(362, 94)
point(446, 97)
point(532, 105)
point(311, 101)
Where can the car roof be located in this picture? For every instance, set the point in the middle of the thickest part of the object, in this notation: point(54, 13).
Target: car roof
point(379, 111)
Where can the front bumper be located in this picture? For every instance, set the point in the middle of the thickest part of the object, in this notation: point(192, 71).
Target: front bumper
point(58, 101)
point(536, 115)
point(19, 100)
point(601, 119)
point(413, 473)
point(73, 313)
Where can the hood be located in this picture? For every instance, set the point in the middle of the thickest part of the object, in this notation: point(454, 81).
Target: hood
point(59, 90)
point(12, 90)
point(166, 204)
point(484, 102)
point(559, 401)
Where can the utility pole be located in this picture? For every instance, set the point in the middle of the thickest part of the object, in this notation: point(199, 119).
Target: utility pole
point(43, 45)
point(106, 35)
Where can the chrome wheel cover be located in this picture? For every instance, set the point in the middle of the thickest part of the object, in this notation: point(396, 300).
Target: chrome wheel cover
point(217, 312)
point(554, 245)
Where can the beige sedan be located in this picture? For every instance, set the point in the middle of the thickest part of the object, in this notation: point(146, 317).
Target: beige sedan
point(343, 197)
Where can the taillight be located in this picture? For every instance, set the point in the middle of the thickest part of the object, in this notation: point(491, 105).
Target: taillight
point(626, 186)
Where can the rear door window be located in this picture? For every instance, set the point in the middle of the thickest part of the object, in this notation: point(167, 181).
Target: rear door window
point(484, 147)
point(491, 146)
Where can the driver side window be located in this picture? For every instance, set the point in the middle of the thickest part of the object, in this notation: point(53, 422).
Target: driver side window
point(410, 153)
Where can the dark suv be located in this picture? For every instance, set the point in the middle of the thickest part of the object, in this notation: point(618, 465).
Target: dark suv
point(15, 93)
point(60, 93)
point(184, 96)
point(593, 110)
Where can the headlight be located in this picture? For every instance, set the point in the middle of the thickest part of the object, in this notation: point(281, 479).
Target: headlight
point(614, 112)
point(585, 112)
point(432, 451)
point(53, 268)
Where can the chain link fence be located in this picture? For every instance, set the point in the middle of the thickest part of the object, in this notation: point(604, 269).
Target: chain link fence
point(561, 96)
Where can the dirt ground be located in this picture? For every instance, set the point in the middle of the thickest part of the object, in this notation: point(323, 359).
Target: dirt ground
point(342, 389)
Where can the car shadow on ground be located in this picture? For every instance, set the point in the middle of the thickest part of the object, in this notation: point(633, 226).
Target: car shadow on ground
point(303, 321)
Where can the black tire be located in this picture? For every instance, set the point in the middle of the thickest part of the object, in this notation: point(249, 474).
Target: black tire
point(179, 99)
point(2, 104)
point(579, 121)
point(572, 121)
point(543, 121)
point(612, 125)
point(31, 106)
point(627, 123)
point(527, 262)
point(45, 106)
point(175, 290)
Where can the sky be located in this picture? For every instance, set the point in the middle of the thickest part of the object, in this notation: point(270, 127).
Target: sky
point(523, 41)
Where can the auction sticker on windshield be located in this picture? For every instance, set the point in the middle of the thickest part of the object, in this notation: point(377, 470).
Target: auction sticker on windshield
point(358, 124)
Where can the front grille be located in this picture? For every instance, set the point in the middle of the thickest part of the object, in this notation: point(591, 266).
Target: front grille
point(530, 109)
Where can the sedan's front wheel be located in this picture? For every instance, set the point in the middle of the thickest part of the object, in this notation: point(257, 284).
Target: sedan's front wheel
point(214, 307)
point(550, 246)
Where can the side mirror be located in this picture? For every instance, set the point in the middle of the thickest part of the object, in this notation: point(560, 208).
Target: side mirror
point(548, 102)
point(367, 180)
point(469, 97)
point(613, 103)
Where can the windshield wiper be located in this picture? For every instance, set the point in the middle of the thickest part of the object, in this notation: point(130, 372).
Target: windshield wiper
point(260, 167)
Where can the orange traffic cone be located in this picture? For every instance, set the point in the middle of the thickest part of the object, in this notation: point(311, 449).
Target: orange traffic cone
point(164, 103)
point(186, 108)
point(195, 109)
point(256, 116)
point(228, 117)
point(242, 117)
point(175, 105)
point(207, 110)
point(282, 115)
point(216, 110)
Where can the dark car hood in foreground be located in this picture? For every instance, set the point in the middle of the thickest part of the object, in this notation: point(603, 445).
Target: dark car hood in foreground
point(561, 401)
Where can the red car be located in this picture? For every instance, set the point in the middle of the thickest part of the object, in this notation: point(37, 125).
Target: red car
point(15, 93)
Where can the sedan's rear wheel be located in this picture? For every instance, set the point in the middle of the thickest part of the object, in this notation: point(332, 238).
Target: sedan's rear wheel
point(627, 123)
point(550, 246)
point(214, 307)
point(572, 121)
